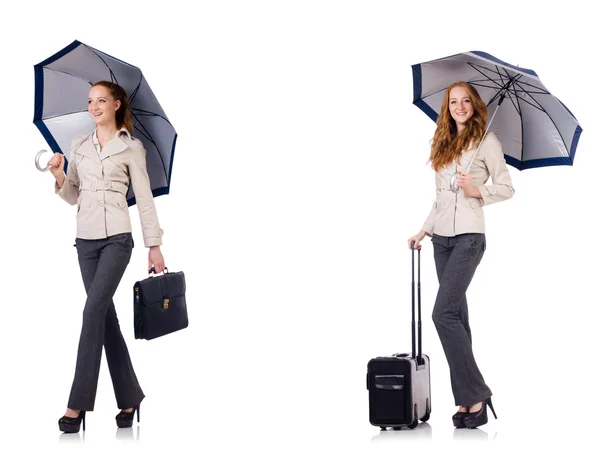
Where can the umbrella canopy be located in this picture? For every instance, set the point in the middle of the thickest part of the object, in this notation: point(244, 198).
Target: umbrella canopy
point(535, 128)
point(62, 83)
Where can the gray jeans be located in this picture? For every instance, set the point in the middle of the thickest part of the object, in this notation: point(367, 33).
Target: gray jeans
point(456, 259)
point(102, 263)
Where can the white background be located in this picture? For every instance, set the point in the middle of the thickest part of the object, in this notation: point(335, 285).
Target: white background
point(299, 174)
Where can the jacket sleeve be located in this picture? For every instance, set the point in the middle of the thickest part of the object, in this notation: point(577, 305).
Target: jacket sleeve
point(501, 187)
point(430, 221)
point(70, 189)
point(143, 194)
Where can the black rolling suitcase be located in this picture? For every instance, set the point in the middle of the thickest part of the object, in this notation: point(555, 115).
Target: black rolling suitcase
point(399, 385)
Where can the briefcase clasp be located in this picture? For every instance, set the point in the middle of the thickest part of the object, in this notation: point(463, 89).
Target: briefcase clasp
point(165, 303)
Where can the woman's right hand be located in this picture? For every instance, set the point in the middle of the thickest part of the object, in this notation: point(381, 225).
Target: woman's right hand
point(57, 165)
point(416, 239)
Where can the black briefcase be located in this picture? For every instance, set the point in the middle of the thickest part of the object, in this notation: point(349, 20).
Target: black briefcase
point(159, 306)
point(399, 385)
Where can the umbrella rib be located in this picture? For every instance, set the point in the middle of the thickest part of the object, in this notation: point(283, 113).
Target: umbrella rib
point(499, 91)
point(487, 78)
point(480, 84)
point(520, 111)
point(145, 132)
point(70, 75)
point(62, 115)
point(433, 93)
point(474, 66)
point(500, 87)
point(504, 84)
point(135, 91)
point(518, 105)
point(150, 113)
point(443, 89)
point(540, 107)
point(542, 90)
point(505, 90)
point(510, 97)
point(112, 75)
point(509, 86)
point(149, 137)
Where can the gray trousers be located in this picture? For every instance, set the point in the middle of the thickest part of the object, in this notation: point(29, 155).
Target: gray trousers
point(102, 263)
point(456, 259)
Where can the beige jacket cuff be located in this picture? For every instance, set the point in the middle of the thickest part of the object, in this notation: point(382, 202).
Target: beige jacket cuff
point(491, 194)
point(152, 237)
point(69, 193)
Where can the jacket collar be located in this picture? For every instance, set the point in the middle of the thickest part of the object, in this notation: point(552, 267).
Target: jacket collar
point(115, 145)
point(87, 148)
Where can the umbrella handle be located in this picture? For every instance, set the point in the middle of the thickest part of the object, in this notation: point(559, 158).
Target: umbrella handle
point(37, 161)
point(453, 187)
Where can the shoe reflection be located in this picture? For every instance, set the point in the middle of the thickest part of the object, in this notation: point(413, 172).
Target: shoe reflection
point(67, 437)
point(422, 432)
point(471, 434)
point(127, 433)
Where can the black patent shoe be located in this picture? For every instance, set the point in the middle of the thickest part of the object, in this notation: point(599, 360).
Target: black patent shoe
point(459, 419)
point(475, 419)
point(125, 419)
point(72, 425)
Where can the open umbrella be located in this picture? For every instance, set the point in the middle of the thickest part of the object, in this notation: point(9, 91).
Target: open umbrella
point(534, 127)
point(62, 83)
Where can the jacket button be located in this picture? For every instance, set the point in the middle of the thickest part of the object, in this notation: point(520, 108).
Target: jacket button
point(89, 205)
point(473, 204)
point(492, 190)
point(122, 204)
point(100, 203)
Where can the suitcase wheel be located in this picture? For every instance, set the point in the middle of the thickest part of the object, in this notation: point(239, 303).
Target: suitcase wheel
point(415, 421)
point(397, 428)
point(383, 429)
point(427, 412)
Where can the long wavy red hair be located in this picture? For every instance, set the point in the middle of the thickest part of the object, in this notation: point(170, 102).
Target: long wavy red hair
point(447, 144)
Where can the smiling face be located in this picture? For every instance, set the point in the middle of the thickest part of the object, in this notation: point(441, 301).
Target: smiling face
point(461, 106)
point(102, 106)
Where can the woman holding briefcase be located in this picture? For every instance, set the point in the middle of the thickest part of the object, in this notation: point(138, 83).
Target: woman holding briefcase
point(101, 166)
point(456, 225)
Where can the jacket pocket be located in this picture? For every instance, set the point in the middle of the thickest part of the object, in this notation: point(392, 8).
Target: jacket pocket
point(475, 205)
point(120, 202)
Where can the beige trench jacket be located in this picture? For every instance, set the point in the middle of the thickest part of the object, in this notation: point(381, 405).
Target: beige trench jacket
point(453, 214)
point(98, 184)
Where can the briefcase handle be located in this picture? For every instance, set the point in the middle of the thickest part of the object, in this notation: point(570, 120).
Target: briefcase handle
point(153, 271)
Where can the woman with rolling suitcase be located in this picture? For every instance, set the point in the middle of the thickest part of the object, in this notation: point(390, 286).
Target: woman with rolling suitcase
point(456, 226)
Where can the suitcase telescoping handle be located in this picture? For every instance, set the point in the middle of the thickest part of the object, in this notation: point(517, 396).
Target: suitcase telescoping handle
point(419, 359)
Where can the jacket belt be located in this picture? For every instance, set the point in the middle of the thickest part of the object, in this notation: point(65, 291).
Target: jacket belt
point(103, 185)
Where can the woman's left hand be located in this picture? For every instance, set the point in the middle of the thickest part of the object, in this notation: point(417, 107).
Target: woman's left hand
point(155, 258)
point(465, 182)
